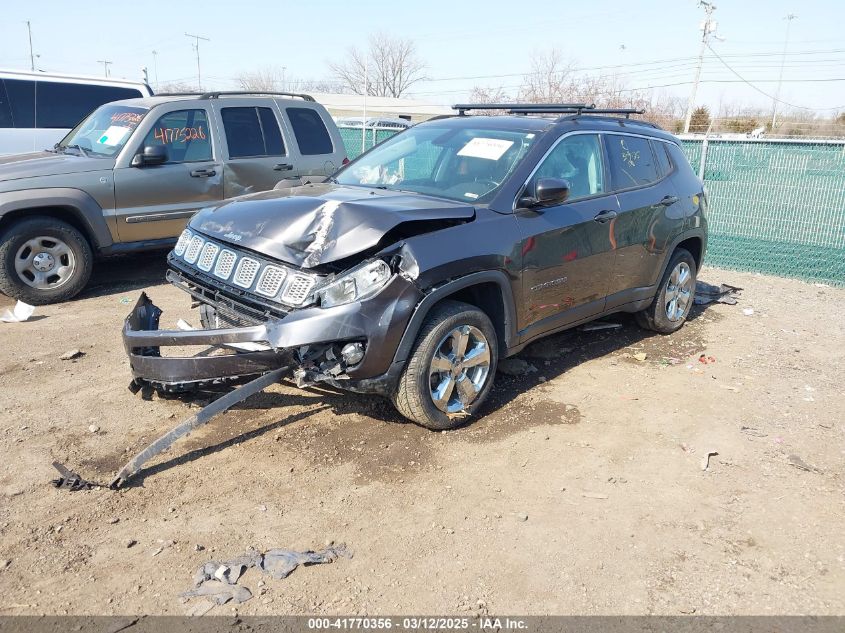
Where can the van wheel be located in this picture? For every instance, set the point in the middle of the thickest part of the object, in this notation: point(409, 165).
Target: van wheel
point(674, 299)
point(43, 260)
point(451, 368)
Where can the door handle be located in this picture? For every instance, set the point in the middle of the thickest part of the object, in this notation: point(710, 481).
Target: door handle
point(605, 216)
point(203, 173)
point(668, 201)
point(282, 167)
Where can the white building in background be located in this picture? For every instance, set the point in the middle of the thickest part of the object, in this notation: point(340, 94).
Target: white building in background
point(346, 105)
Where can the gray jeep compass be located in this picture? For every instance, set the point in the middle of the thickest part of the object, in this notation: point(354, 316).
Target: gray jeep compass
point(449, 246)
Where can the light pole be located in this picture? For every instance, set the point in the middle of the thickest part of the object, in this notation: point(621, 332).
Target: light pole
point(708, 27)
point(197, 39)
point(31, 54)
point(155, 67)
point(789, 17)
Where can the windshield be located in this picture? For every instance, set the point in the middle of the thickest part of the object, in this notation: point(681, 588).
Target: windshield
point(104, 132)
point(463, 164)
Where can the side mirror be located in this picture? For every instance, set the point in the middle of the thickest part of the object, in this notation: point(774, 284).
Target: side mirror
point(548, 192)
point(551, 191)
point(150, 155)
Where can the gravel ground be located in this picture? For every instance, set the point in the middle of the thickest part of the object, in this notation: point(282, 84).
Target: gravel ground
point(580, 490)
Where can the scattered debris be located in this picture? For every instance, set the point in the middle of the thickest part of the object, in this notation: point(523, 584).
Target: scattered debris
point(750, 430)
point(220, 592)
point(522, 516)
point(218, 581)
point(125, 301)
point(70, 480)
point(114, 520)
point(594, 495)
point(599, 325)
point(515, 367)
point(705, 461)
point(707, 293)
point(795, 460)
point(198, 547)
point(20, 313)
point(93, 428)
point(130, 543)
point(704, 359)
point(748, 311)
point(72, 354)
point(639, 356)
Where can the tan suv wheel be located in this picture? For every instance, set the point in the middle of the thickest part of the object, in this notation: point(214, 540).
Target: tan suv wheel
point(43, 260)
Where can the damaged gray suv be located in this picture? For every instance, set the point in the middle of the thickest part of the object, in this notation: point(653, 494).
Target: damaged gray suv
point(451, 245)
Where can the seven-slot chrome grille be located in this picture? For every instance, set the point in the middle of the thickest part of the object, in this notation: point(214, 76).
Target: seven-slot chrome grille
point(269, 280)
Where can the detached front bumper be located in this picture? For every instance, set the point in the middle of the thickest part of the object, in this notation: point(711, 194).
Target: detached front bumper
point(378, 322)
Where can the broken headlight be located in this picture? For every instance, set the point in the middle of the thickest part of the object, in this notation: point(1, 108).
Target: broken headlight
point(359, 283)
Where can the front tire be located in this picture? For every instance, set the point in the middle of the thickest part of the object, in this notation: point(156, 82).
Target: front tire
point(671, 307)
point(451, 367)
point(43, 261)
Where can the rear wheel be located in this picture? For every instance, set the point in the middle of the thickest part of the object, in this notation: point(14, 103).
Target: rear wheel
point(674, 299)
point(43, 260)
point(451, 368)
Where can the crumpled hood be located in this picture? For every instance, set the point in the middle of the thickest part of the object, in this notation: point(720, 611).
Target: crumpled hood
point(34, 164)
point(318, 224)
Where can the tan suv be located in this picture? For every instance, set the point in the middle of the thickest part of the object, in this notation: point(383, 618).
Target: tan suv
point(129, 176)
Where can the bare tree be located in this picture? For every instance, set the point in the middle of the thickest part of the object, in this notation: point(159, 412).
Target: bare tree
point(481, 94)
point(388, 68)
point(176, 87)
point(269, 79)
point(550, 80)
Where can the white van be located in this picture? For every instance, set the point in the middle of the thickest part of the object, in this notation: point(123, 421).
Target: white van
point(39, 109)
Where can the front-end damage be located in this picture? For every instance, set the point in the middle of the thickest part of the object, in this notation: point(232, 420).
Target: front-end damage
point(350, 345)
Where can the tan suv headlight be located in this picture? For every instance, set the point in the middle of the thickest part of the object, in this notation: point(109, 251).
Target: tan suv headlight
point(359, 283)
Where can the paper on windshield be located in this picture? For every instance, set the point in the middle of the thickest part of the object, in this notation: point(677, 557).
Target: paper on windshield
point(114, 135)
point(489, 148)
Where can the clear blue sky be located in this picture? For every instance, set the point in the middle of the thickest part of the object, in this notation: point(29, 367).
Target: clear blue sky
point(454, 39)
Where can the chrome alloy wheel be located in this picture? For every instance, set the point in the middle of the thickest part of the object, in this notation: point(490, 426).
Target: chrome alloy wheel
point(45, 262)
point(678, 292)
point(459, 369)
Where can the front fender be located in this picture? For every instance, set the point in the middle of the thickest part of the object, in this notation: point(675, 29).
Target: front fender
point(73, 201)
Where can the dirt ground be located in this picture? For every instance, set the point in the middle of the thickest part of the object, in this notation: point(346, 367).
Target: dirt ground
point(580, 490)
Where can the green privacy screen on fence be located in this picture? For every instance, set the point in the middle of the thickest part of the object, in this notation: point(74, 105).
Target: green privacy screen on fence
point(776, 207)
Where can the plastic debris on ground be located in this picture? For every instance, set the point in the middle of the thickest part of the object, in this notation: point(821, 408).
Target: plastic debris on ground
point(20, 313)
point(708, 293)
point(218, 580)
point(600, 325)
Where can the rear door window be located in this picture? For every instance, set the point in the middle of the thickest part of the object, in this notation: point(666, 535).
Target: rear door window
point(63, 105)
point(184, 133)
point(310, 131)
point(631, 161)
point(252, 132)
point(21, 94)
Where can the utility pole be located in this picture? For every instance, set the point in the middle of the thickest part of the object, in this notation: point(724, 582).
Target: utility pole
point(155, 66)
point(789, 17)
point(146, 75)
point(284, 71)
point(708, 27)
point(105, 64)
point(31, 54)
point(196, 45)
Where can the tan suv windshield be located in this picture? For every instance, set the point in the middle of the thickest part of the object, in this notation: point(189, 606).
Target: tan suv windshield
point(104, 132)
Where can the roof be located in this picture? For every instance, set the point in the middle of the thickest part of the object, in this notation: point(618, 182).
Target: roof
point(387, 105)
point(62, 77)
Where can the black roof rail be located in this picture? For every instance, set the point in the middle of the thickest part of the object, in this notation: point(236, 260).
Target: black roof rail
point(590, 110)
point(462, 108)
point(223, 93)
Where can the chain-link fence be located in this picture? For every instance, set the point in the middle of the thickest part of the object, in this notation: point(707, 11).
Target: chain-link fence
point(776, 207)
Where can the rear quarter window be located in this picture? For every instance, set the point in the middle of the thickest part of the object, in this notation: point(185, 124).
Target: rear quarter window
point(664, 165)
point(310, 131)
